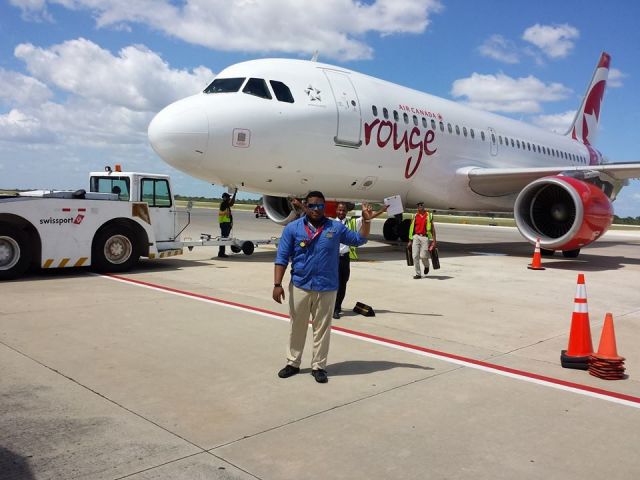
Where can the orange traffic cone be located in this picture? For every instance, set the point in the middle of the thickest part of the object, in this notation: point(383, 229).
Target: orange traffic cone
point(536, 263)
point(580, 347)
point(606, 363)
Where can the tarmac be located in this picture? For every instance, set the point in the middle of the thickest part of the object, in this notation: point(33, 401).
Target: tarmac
point(170, 371)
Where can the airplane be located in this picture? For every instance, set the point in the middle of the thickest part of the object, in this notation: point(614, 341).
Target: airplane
point(284, 127)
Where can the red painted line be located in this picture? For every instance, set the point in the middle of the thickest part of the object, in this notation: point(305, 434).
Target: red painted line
point(388, 341)
point(197, 295)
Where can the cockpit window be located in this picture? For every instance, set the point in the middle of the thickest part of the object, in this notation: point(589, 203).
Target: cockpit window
point(283, 94)
point(224, 85)
point(257, 87)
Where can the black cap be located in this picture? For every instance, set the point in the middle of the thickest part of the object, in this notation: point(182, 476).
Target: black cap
point(419, 203)
point(226, 195)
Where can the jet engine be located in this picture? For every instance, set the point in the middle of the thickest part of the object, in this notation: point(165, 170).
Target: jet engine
point(563, 212)
point(279, 209)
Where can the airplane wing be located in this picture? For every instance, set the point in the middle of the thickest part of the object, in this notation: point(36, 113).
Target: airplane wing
point(496, 182)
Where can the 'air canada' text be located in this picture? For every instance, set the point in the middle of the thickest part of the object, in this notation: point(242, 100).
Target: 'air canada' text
point(413, 141)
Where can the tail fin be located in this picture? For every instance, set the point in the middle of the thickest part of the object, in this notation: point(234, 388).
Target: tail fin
point(585, 124)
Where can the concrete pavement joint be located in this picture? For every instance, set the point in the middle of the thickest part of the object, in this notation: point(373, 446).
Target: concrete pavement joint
point(102, 396)
point(336, 407)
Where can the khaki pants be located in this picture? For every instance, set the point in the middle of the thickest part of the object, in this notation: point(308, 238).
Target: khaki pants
point(319, 306)
point(420, 250)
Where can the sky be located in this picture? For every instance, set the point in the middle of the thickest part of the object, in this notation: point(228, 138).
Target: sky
point(80, 80)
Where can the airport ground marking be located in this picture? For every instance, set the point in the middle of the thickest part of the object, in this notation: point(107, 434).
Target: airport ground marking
point(595, 392)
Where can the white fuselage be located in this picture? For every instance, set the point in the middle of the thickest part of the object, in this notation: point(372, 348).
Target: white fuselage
point(335, 138)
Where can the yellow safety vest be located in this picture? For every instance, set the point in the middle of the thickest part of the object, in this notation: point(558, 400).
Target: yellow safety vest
point(429, 230)
point(351, 225)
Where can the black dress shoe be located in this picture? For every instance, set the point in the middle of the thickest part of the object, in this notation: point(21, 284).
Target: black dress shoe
point(426, 270)
point(320, 375)
point(336, 315)
point(222, 255)
point(288, 371)
point(417, 276)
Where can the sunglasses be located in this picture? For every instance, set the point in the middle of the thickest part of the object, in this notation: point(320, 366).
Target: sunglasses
point(315, 206)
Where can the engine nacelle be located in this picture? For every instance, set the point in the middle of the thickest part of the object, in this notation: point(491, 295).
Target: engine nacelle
point(280, 210)
point(563, 212)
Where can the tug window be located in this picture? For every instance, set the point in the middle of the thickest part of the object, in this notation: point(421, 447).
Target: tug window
point(257, 87)
point(283, 94)
point(224, 85)
point(156, 192)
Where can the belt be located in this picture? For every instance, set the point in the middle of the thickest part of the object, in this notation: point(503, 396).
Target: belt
point(420, 234)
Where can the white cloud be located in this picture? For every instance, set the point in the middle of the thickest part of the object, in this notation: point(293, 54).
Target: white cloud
point(334, 27)
point(18, 89)
point(558, 123)
point(109, 99)
point(499, 48)
point(501, 93)
point(136, 78)
point(556, 41)
point(33, 10)
point(615, 78)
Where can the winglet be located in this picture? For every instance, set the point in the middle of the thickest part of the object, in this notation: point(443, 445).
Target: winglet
point(585, 124)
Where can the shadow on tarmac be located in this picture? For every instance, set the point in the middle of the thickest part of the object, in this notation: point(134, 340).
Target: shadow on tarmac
point(14, 466)
point(364, 367)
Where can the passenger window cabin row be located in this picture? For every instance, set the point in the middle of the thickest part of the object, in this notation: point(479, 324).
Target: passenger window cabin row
point(470, 133)
point(253, 86)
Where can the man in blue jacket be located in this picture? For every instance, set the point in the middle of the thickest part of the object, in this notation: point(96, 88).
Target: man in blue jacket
point(312, 244)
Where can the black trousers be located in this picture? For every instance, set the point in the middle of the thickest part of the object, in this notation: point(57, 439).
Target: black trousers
point(225, 230)
point(344, 271)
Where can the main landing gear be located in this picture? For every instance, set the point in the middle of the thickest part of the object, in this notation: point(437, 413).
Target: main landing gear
point(395, 228)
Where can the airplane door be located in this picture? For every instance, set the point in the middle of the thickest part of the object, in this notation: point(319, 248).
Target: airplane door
point(493, 141)
point(349, 116)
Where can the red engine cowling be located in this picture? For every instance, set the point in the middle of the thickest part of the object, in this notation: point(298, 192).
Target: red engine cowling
point(563, 212)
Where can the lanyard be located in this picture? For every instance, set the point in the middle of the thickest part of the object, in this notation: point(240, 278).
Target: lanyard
point(312, 236)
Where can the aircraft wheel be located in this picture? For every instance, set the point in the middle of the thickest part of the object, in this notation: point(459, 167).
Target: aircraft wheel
point(247, 248)
point(404, 229)
point(547, 253)
point(571, 253)
point(235, 249)
point(390, 229)
point(115, 249)
point(15, 252)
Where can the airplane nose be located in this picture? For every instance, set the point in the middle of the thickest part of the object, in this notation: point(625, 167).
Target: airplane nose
point(179, 135)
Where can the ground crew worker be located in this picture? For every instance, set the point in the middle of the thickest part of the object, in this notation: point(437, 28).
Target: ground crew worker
point(225, 219)
point(422, 238)
point(348, 253)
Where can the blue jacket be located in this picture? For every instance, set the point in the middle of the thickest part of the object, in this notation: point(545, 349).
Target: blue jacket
point(314, 266)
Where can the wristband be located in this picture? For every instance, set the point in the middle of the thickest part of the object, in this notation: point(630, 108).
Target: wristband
point(277, 285)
